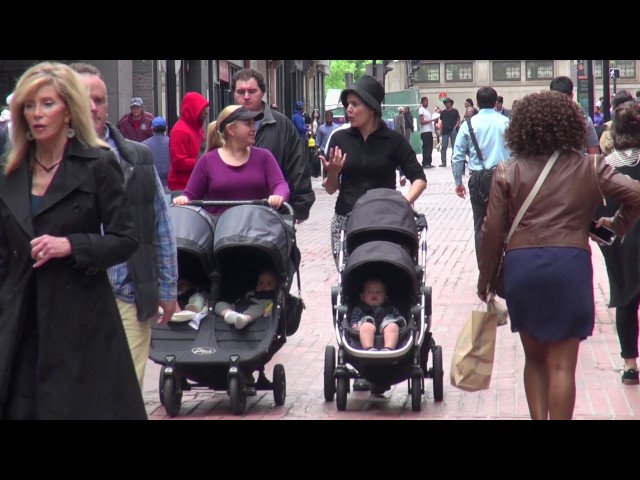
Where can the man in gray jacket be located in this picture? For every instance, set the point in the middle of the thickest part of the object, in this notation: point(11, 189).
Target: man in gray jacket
point(148, 280)
point(277, 134)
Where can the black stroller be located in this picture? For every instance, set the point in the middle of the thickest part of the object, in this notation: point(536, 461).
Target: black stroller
point(382, 239)
point(225, 254)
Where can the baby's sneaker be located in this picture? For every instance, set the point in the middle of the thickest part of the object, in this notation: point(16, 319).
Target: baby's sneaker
point(242, 321)
point(230, 318)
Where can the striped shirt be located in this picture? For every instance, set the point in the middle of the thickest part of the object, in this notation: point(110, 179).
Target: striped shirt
point(624, 158)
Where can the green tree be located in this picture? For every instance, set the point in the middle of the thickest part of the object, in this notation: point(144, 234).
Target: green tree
point(338, 69)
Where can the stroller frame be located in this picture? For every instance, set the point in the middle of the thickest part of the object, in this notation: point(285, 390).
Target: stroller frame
point(227, 370)
point(411, 355)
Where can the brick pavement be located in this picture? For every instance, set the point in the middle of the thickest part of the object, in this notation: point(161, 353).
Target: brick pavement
point(452, 272)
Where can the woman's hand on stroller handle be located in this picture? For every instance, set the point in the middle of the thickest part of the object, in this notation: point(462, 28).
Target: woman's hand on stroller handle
point(275, 201)
point(267, 202)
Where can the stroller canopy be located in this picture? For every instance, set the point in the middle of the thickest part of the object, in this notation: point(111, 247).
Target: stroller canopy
point(194, 229)
point(382, 214)
point(258, 227)
point(386, 261)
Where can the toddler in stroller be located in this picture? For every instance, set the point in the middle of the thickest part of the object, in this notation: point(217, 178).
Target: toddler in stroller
point(376, 315)
point(256, 302)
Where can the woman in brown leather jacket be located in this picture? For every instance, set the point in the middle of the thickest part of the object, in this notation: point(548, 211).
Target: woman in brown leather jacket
point(548, 275)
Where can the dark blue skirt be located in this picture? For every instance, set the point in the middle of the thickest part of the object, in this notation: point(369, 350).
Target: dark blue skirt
point(549, 292)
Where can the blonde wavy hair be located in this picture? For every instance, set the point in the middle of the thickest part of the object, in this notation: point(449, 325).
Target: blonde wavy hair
point(216, 139)
point(69, 86)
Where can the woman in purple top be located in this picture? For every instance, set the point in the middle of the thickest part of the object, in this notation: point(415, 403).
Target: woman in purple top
point(598, 117)
point(232, 168)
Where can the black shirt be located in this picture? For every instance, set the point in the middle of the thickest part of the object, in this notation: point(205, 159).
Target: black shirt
point(372, 164)
point(449, 119)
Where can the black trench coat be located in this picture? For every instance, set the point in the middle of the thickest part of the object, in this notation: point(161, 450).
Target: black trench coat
point(84, 366)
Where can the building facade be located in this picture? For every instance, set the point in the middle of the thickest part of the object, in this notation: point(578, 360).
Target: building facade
point(513, 79)
point(163, 83)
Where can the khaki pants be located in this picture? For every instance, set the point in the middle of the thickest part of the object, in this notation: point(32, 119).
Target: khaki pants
point(138, 336)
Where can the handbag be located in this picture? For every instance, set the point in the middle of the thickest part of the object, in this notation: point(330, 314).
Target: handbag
point(499, 284)
point(480, 191)
point(472, 361)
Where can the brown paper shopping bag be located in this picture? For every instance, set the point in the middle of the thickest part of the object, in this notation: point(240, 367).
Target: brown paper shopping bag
point(472, 360)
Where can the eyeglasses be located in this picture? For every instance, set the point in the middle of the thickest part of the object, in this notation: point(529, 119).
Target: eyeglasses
point(251, 92)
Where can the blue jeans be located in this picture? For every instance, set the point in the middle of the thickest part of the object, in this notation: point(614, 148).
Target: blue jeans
point(444, 144)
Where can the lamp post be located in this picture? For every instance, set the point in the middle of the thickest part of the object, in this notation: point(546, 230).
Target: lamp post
point(606, 92)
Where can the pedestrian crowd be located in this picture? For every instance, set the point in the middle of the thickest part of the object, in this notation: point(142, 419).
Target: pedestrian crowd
point(88, 256)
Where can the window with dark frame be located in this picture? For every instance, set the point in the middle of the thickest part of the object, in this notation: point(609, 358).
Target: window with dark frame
point(428, 73)
point(458, 72)
point(539, 70)
point(506, 71)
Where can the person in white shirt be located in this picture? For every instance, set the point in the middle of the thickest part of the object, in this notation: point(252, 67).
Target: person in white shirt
point(426, 132)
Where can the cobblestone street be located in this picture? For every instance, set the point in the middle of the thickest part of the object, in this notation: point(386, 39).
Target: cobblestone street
point(452, 273)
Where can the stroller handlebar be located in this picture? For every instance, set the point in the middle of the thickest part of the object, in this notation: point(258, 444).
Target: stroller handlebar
point(226, 203)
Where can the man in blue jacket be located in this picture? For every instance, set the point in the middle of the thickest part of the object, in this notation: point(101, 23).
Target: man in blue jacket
point(298, 120)
point(159, 145)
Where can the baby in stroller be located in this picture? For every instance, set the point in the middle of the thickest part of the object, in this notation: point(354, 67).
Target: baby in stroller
point(374, 314)
point(190, 297)
point(256, 302)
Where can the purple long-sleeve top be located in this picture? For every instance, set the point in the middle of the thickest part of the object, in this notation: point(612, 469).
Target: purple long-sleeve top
point(259, 177)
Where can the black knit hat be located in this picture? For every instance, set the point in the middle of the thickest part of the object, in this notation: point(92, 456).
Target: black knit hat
point(369, 89)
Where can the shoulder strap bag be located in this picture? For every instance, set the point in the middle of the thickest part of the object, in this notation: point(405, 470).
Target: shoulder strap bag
point(475, 143)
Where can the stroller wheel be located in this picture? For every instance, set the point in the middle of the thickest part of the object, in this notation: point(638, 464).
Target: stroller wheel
point(279, 385)
point(416, 393)
point(437, 374)
point(237, 395)
point(161, 386)
point(172, 396)
point(342, 387)
point(329, 369)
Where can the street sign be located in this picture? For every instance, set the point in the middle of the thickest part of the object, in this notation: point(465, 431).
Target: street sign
point(614, 73)
point(442, 95)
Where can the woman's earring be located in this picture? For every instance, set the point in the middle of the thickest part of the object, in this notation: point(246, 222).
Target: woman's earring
point(71, 133)
point(29, 135)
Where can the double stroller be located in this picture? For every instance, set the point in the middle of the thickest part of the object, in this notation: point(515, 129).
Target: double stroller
point(382, 238)
point(224, 255)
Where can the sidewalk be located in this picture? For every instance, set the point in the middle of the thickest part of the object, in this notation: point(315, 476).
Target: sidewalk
point(452, 273)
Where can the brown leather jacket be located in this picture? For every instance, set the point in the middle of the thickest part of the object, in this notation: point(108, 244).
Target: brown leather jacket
point(560, 214)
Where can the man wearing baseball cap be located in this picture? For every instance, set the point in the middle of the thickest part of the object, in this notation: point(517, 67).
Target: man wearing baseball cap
point(159, 145)
point(136, 125)
point(298, 120)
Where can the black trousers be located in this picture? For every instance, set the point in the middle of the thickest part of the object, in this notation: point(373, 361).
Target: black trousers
point(427, 147)
point(479, 210)
point(627, 327)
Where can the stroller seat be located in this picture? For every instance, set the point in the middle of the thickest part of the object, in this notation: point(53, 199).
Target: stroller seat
point(351, 339)
point(227, 255)
point(381, 239)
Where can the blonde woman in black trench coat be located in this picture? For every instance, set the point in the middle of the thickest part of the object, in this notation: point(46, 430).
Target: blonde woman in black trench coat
point(63, 350)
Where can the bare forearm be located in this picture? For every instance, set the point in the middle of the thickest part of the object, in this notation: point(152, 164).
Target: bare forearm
point(331, 183)
point(417, 187)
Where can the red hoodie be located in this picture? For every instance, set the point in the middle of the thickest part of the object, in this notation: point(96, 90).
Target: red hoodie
point(185, 140)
